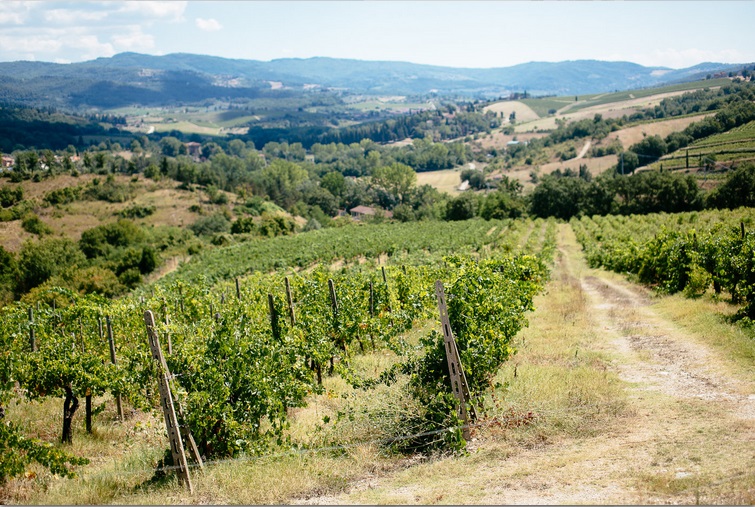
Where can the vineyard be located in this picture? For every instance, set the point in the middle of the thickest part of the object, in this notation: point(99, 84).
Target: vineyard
point(736, 144)
point(251, 333)
point(685, 252)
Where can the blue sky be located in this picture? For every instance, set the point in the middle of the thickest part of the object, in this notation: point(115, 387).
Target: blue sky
point(451, 32)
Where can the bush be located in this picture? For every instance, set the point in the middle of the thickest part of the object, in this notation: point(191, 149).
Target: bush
point(33, 224)
point(109, 191)
point(101, 241)
point(137, 211)
point(64, 195)
point(10, 196)
point(209, 225)
point(40, 260)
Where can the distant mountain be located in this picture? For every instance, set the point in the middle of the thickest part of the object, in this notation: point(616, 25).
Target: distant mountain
point(132, 78)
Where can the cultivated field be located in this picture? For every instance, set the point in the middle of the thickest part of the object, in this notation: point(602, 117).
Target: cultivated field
point(627, 106)
point(524, 113)
point(447, 180)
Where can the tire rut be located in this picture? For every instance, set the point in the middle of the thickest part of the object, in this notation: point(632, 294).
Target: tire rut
point(664, 359)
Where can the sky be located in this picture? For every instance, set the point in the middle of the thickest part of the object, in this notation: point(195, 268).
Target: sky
point(453, 33)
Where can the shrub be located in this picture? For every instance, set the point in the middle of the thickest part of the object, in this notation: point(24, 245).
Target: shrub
point(137, 211)
point(209, 225)
point(33, 224)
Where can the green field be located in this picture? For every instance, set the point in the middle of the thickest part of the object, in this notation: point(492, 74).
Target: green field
point(542, 106)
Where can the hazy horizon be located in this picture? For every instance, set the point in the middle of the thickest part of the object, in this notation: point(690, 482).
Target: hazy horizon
point(475, 34)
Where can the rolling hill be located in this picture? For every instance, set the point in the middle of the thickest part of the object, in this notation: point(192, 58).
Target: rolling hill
point(132, 78)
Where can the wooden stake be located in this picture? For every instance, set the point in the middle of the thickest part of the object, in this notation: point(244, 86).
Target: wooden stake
point(333, 300)
point(372, 300)
point(290, 300)
point(111, 342)
point(459, 384)
point(273, 317)
point(238, 289)
point(166, 401)
point(32, 338)
point(88, 406)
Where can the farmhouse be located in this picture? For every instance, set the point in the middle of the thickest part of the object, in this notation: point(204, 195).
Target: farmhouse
point(7, 162)
point(194, 149)
point(360, 212)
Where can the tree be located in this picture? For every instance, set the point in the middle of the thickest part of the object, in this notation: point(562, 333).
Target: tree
point(40, 260)
point(281, 180)
point(172, 147)
point(398, 179)
point(461, 208)
point(501, 204)
point(738, 189)
point(334, 182)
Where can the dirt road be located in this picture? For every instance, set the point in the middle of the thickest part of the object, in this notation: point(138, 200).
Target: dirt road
point(687, 433)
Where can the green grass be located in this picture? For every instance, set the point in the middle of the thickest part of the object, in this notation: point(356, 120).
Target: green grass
point(542, 106)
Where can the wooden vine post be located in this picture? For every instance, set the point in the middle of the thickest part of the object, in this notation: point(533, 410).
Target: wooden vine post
point(166, 401)
point(238, 289)
point(290, 300)
point(372, 300)
point(32, 338)
point(459, 384)
point(273, 317)
point(111, 342)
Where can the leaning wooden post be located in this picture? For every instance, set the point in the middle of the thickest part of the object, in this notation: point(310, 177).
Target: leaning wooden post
point(111, 342)
point(32, 338)
point(238, 289)
point(166, 401)
point(459, 384)
point(290, 300)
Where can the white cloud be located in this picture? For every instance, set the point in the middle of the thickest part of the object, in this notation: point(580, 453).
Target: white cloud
point(81, 30)
point(208, 25)
point(69, 16)
point(134, 40)
point(171, 10)
point(14, 13)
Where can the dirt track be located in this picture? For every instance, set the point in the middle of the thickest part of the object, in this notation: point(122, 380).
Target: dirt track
point(687, 436)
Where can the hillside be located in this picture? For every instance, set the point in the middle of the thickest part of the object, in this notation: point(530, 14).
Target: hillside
point(132, 78)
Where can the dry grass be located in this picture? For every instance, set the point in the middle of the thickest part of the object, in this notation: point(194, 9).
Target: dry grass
point(524, 113)
point(611, 110)
point(71, 220)
point(447, 180)
point(632, 135)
